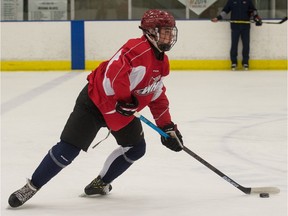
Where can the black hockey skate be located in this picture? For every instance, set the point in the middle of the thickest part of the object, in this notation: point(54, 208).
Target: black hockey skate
point(97, 186)
point(233, 67)
point(246, 67)
point(20, 196)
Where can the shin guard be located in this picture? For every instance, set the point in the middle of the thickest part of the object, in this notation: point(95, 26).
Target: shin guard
point(120, 160)
point(58, 157)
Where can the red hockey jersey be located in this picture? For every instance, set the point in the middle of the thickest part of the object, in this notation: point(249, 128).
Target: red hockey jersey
point(134, 69)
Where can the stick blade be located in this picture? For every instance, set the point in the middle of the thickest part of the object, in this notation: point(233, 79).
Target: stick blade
point(284, 19)
point(270, 190)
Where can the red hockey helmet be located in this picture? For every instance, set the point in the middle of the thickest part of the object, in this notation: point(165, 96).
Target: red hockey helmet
point(156, 19)
point(152, 22)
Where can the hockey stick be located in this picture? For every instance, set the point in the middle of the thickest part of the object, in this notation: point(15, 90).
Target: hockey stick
point(252, 21)
point(284, 19)
point(246, 190)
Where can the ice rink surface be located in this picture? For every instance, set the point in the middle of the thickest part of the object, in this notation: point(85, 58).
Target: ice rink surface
point(237, 121)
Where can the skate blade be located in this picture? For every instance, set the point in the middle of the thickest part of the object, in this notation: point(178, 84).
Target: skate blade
point(84, 195)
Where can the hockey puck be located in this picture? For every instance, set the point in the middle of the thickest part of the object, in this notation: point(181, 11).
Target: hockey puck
point(264, 195)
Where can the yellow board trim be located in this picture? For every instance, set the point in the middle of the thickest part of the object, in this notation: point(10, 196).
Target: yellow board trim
point(174, 65)
point(214, 64)
point(35, 65)
point(226, 64)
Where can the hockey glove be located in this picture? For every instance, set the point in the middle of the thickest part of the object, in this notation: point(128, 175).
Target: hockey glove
point(216, 19)
point(258, 20)
point(174, 142)
point(127, 109)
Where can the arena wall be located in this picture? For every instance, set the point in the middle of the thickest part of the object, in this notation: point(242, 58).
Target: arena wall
point(82, 45)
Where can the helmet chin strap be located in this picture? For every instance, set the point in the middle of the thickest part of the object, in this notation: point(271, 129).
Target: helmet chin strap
point(153, 42)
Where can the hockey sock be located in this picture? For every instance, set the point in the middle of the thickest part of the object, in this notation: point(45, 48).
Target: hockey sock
point(118, 166)
point(58, 157)
point(120, 160)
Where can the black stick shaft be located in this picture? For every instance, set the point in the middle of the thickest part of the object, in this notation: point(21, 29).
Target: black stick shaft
point(201, 160)
point(214, 169)
point(252, 21)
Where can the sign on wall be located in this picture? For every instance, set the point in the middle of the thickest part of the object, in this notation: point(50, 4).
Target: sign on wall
point(47, 9)
point(198, 6)
point(11, 9)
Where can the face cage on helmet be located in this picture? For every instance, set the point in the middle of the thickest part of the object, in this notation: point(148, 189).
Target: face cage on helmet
point(156, 39)
point(164, 46)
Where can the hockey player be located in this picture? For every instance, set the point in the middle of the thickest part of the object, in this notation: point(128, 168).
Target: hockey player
point(241, 10)
point(131, 80)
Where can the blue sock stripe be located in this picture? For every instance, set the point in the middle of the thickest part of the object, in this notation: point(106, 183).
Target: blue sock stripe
point(128, 159)
point(55, 160)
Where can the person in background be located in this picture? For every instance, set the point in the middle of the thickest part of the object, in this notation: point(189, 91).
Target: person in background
point(241, 10)
point(130, 81)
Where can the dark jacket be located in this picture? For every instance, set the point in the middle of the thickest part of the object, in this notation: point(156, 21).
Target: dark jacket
point(240, 10)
